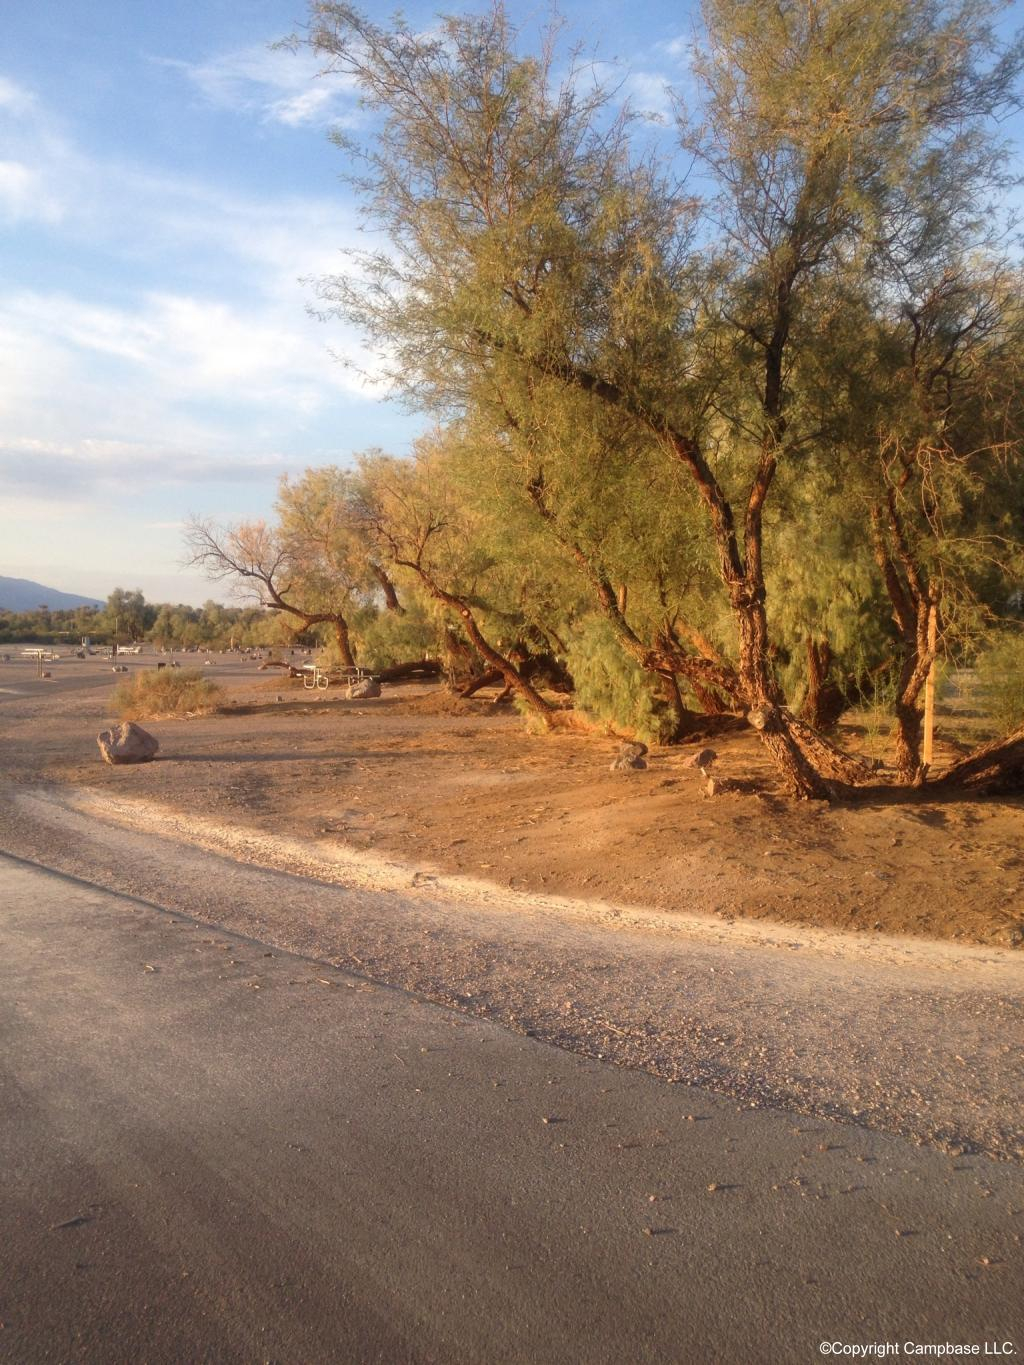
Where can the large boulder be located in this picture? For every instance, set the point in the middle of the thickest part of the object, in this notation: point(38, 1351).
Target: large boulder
point(127, 743)
point(361, 688)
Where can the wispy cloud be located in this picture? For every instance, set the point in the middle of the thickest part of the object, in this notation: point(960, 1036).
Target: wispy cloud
point(278, 84)
point(198, 337)
point(24, 195)
point(30, 468)
point(34, 159)
point(649, 93)
point(13, 96)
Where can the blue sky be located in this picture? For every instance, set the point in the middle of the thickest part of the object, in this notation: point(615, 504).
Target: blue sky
point(166, 184)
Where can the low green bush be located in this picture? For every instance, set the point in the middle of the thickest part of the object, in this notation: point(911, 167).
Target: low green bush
point(1001, 681)
point(611, 687)
point(164, 693)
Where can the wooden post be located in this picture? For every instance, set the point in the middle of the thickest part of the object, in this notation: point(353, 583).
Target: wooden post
point(929, 687)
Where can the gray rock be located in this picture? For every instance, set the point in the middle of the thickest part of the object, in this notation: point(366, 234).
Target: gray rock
point(362, 688)
point(127, 743)
point(630, 757)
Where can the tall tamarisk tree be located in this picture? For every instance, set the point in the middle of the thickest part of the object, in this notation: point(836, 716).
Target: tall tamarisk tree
point(945, 511)
point(314, 566)
point(528, 240)
point(408, 512)
point(255, 557)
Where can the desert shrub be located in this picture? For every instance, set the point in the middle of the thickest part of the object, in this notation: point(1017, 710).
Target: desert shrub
point(384, 637)
point(611, 687)
point(1001, 679)
point(158, 695)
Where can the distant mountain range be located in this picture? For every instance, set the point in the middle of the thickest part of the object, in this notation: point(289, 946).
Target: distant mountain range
point(21, 594)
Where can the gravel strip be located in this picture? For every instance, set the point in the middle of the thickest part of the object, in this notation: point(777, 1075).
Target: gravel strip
point(922, 1040)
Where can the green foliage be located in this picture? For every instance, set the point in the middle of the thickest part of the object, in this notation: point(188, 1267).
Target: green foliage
point(127, 615)
point(170, 692)
point(611, 687)
point(385, 637)
point(1001, 675)
point(788, 412)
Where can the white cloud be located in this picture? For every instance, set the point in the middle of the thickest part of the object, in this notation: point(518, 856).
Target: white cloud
point(35, 171)
point(196, 336)
point(176, 364)
point(649, 93)
point(25, 195)
point(279, 84)
point(32, 469)
point(193, 347)
point(86, 390)
point(13, 96)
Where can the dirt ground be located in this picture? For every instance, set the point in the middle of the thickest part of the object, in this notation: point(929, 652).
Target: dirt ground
point(462, 788)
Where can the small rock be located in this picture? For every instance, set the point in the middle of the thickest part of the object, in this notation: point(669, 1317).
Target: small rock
point(127, 743)
point(630, 756)
point(362, 688)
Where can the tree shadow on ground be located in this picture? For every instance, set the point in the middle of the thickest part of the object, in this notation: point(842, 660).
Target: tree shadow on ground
point(297, 756)
point(925, 802)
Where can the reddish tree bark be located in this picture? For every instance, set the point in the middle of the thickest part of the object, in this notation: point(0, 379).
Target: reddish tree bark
point(995, 769)
point(512, 675)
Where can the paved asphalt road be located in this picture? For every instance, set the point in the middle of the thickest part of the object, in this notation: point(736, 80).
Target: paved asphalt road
point(214, 1152)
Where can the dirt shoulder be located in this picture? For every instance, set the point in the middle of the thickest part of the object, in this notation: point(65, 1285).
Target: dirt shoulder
point(460, 789)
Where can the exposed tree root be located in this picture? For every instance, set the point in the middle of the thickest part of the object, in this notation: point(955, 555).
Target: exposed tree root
point(995, 769)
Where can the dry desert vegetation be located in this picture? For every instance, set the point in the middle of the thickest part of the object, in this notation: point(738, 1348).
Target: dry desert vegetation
point(462, 787)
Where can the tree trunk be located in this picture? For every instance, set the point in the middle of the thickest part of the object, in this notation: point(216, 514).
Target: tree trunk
point(909, 716)
point(388, 589)
point(513, 677)
point(416, 668)
point(801, 779)
point(491, 678)
point(768, 714)
point(828, 758)
point(460, 662)
point(915, 605)
point(344, 643)
point(825, 701)
point(819, 660)
point(709, 700)
point(685, 720)
point(993, 770)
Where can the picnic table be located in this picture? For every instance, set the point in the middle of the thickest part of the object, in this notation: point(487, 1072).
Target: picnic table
point(316, 678)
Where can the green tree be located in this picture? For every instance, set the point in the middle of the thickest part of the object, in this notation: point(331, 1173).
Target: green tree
point(528, 244)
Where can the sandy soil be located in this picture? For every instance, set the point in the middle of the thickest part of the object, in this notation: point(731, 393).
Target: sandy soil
point(622, 916)
point(456, 788)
